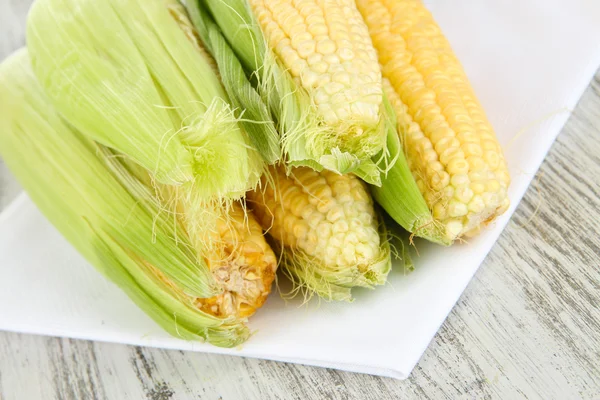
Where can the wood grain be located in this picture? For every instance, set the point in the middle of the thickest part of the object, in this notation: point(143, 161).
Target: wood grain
point(528, 325)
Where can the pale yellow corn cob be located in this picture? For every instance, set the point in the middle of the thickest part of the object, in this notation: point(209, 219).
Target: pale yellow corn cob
point(328, 221)
point(451, 147)
point(326, 47)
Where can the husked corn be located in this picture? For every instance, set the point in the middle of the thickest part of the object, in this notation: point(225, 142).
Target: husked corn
point(450, 145)
point(243, 265)
point(328, 218)
point(327, 48)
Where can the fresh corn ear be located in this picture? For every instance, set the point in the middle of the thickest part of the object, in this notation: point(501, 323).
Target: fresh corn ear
point(451, 148)
point(326, 228)
point(103, 205)
point(317, 71)
point(130, 75)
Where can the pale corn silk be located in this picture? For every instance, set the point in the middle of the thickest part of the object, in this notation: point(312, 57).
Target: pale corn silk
point(527, 74)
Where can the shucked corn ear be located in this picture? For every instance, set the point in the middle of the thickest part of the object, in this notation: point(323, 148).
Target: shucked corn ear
point(126, 74)
point(113, 219)
point(315, 68)
point(451, 148)
point(328, 233)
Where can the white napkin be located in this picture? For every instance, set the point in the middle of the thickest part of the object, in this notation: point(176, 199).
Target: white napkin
point(529, 62)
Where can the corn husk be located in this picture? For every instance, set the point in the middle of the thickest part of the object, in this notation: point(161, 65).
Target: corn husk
point(110, 216)
point(126, 74)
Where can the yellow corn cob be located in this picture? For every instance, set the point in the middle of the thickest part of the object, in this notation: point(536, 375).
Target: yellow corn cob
point(244, 266)
point(314, 67)
point(326, 46)
point(451, 147)
point(327, 222)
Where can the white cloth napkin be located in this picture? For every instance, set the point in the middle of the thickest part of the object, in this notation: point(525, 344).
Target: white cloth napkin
point(529, 62)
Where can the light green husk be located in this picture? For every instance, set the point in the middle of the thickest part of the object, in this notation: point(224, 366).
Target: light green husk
point(305, 138)
point(125, 74)
point(256, 116)
point(106, 213)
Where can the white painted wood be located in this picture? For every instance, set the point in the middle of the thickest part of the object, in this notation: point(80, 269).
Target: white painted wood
point(526, 327)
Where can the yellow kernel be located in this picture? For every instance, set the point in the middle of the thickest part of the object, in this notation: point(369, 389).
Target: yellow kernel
point(493, 186)
point(450, 153)
point(309, 78)
point(463, 194)
point(439, 180)
point(317, 28)
point(476, 163)
point(298, 66)
point(326, 46)
point(297, 29)
point(333, 87)
point(342, 77)
point(448, 192)
point(340, 226)
point(421, 185)
point(478, 175)
point(335, 214)
point(306, 48)
point(439, 211)
point(315, 219)
point(458, 165)
point(477, 187)
point(346, 54)
point(453, 229)
point(490, 145)
point(429, 156)
point(490, 199)
point(471, 149)
point(431, 197)
point(457, 209)
point(445, 143)
point(300, 229)
point(476, 205)
point(492, 158)
point(459, 180)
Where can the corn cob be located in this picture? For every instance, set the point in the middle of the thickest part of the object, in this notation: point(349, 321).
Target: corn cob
point(317, 71)
point(126, 74)
point(327, 229)
point(241, 262)
point(450, 145)
point(103, 204)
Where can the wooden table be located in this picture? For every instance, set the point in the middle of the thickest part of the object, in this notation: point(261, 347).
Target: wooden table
point(528, 325)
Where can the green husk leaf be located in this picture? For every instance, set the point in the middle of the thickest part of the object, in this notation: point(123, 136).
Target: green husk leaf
point(125, 74)
point(256, 116)
point(106, 213)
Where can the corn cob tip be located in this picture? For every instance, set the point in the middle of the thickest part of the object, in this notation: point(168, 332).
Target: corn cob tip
point(326, 229)
point(450, 145)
